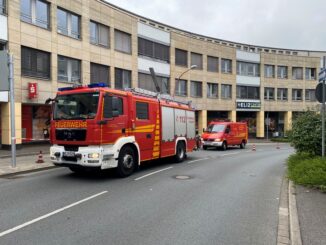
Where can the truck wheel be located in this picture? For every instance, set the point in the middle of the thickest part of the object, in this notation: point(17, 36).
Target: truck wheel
point(126, 162)
point(243, 145)
point(224, 146)
point(204, 147)
point(181, 152)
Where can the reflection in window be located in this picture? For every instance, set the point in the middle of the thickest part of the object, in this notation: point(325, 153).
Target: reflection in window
point(68, 23)
point(68, 69)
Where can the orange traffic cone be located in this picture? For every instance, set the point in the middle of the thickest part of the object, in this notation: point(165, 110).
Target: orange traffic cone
point(253, 147)
point(40, 158)
point(278, 146)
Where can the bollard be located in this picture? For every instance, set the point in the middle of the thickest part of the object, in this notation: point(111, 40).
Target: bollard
point(253, 147)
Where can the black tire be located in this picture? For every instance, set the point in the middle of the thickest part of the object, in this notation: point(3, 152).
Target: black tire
point(126, 162)
point(181, 152)
point(205, 147)
point(224, 146)
point(243, 145)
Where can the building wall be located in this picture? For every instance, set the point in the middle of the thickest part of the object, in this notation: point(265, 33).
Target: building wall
point(26, 34)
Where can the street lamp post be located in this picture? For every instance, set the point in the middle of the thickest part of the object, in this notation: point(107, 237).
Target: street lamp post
point(178, 79)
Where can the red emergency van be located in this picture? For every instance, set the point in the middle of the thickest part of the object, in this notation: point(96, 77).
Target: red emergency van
point(224, 134)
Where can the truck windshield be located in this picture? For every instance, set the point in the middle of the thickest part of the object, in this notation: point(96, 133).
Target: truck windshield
point(76, 106)
point(215, 128)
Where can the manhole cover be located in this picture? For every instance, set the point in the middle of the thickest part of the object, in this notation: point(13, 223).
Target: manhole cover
point(182, 177)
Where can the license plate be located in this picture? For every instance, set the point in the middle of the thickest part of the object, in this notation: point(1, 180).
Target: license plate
point(69, 154)
point(208, 143)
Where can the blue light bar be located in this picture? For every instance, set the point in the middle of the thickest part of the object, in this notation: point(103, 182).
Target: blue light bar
point(65, 89)
point(97, 85)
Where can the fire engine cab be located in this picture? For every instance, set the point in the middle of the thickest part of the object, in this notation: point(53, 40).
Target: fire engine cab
point(97, 127)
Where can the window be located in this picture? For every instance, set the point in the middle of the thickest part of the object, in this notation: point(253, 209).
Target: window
point(226, 91)
point(99, 34)
point(196, 89)
point(269, 71)
point(248, 92)
point(142, 110)
point(35, 63)
point(68, 69)
point(122, 41)
point(181, 57)
point(212, 64)
point(310, 95)
point(282, 94)
point(282, 72)
point(197, 59)
point(2, 6)
point(310, 73)
point(122, 78)
point(212, 90)
point(68, 23)
point(113, 106)
point(248, 69)
point(269, 94)
point(297, 94)
point(181, 87)
point(145, 81)
point(100, 74)
point(154, 50)
point(226, 66)
point(297, 73)
point(36, 12)
point(2, 46)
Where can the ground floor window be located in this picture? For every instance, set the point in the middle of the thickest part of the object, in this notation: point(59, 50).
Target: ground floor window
point(34, 121)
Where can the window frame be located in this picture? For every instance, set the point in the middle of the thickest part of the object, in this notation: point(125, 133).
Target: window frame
point(266, 73)
point(180, 51)
point(115, 41)
point(98, 27)
point(69, 61)
point(197, 86)
point(3, 9)
point(224, 67)
point(267, 96)
point(137, 104)
point(281, 98)
point(295, 70)
point(216, 65)
point(308, 75)
point(281, 75)
point(198, 66)
point(159, 51)
point(295, 92)
point(32, 17)
point(208, 90)
point(160, 81)
point(223, 85)
point(310, 91)
point(123, 74)
point(34, 56)
point(68, 32)
point(177, 87)
point(92, 65)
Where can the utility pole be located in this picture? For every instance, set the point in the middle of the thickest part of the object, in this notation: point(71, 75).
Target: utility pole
point(323, 113)
point(12, 110)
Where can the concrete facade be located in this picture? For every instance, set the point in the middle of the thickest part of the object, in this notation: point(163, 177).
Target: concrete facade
point(20, 33)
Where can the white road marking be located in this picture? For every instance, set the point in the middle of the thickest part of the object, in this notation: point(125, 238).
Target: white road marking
point(146, 175)
point(49, 214)
point(228, 154)
point(197, 160)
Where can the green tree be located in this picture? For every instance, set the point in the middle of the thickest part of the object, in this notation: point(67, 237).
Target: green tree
point(306, 133)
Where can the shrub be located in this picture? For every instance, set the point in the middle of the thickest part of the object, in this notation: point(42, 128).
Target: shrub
point(306, 133)
point(306, 169)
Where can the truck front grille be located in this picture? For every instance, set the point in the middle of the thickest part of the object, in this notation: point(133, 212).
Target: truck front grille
point(70, 134)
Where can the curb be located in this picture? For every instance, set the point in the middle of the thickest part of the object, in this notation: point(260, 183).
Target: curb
point(294, 219)
point(8, 175)
point(283, 229)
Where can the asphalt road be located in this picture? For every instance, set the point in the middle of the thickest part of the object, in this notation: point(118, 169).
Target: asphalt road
point(230, 197)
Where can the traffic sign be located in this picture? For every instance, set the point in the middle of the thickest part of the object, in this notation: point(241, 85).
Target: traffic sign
point(319, 92)
point(322, 74)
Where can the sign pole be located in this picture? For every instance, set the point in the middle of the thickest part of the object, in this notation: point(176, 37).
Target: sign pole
point(323, 113)
point(12, 110)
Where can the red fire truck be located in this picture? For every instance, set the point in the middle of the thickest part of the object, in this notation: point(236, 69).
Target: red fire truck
point(97, 127)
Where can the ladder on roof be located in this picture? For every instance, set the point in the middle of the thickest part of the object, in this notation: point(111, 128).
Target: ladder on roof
point(151, 94)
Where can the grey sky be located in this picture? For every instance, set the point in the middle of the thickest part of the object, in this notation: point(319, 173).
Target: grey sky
point(293, 24)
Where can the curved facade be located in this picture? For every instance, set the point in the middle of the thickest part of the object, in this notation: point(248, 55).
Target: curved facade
point(59, 43)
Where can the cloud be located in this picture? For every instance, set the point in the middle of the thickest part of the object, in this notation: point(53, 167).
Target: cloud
point(293, 24)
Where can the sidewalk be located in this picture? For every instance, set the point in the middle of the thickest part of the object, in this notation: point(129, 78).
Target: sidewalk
point(311, 206)
point(25, 159)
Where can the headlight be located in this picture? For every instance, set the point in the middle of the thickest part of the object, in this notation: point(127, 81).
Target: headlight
point(93, 155)
point(217, 140)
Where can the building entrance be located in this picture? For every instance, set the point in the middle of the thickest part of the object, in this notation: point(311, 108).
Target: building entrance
point(250, 118)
